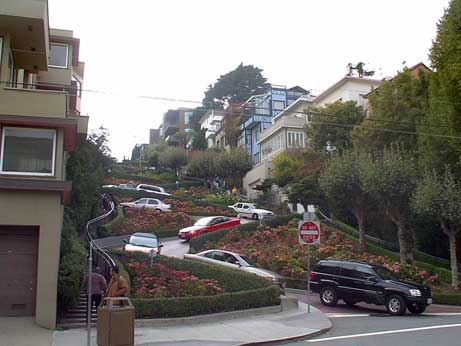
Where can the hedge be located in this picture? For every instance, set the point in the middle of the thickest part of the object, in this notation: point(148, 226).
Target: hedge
point(133, 193)
point(107, 230)
point(449, 299)
point(242, 290)
point(192, 306)
point(280, 220)
point(197, 243)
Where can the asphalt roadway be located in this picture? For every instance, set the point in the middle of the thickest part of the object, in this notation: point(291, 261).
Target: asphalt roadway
point(370, 325)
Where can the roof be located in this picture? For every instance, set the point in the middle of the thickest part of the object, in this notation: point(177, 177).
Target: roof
point(343, 81)
point(304, 99)
point(297, 88)
point(145, 235)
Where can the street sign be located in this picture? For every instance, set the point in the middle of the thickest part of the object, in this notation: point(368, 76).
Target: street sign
point(309, 232)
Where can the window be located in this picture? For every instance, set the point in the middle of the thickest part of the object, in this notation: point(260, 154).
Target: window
point(278, 105)
point(296, 139)
point(142, 201)
point(59, 54)
point(1, 49)
point(188, 117)
point(153, 202)
point(28, 151)
point(78, 85)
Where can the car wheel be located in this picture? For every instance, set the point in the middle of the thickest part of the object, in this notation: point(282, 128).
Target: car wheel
point(328, 296)
point(416, 309)
point(255, 216)
point(158, 210)
point(396, 305)
point(349, 302)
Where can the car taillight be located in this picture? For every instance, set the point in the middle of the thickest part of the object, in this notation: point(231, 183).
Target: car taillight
point(312, 276)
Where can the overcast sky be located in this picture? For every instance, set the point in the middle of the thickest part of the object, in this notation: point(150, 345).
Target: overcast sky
point(176, 48)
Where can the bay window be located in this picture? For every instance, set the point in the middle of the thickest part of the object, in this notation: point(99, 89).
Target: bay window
point(28, 151)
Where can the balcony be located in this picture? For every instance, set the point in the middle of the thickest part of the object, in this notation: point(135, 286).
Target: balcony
point(33, 102)
point(27, 23)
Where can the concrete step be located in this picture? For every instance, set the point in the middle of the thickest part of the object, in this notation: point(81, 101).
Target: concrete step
point(74, 325)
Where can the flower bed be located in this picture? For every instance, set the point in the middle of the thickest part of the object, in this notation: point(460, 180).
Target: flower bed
point(278, 249)
point(191, 207)
point(150, 220)
point(194, 192)
point(179, 288)
point(160, 281)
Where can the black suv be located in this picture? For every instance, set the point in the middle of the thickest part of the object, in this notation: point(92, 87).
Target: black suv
point(355, 282)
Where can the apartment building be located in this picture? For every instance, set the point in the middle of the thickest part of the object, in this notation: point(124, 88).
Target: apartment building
point(176, 120)
point(212, 121)
point(259, 111)
point(287, 129)
point(40, 124)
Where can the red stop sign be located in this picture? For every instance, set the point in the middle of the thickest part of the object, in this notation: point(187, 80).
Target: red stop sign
point(309, 232)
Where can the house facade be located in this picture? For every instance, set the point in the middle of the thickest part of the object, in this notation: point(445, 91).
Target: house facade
point(40, 123)
point(176, 120)
point(212, 121)
point(287, 129)
point(259, 112)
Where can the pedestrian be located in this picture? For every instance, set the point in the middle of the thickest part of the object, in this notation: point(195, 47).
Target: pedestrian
point(234, 191)
point(98, 286)
point(118, 286)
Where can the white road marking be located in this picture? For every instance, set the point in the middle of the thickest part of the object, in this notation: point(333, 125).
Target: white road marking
point(385, 332)
point(347, 315)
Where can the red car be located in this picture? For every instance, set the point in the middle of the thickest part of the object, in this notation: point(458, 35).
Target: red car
point(208, 224)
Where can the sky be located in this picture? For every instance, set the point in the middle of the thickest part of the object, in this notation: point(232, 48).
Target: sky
point(175, 48)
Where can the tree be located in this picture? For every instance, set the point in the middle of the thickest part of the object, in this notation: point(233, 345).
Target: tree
point(199, 141)
point(232, 129)
point(204, 164)
point(445, 95)
point(341, 181)
point(391, 180)
point(233, 165)
point(330, 126)
point(298, 170)
point(439, 196)
point(398, 104)
point(174, 158)
point(136, 152)
point(235, 86)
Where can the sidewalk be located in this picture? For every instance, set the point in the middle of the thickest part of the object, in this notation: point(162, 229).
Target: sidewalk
point(291, 324)
point(22, 331)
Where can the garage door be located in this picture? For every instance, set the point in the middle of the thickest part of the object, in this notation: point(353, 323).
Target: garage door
point(18, 275)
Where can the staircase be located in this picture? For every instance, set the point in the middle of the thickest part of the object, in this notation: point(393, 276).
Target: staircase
point(76, 316)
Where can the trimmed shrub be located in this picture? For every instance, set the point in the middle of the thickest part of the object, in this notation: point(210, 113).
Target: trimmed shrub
point(281, 220)
point(191, 306)
point(450, 299)
point(197, 243)
point(107, 230)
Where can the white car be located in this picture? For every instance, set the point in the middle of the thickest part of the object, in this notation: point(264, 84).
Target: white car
point(121, 186)
point(147, 203)
point(249, 210)
point(236, 261)
point(152, 188)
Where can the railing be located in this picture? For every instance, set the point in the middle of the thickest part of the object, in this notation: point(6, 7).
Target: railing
point(421, 256)
point(102, 255)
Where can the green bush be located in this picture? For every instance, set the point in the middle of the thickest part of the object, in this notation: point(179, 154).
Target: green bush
point(222, 199)
point(281, 220)
point(71, 267)
point(192, 306)
point(449, 299)
point(107, 230)
point(197, 243)
point(166, 233)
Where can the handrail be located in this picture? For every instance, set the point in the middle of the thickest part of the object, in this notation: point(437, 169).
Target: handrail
point(91, 241)
point(391, 246)
point(104, 255)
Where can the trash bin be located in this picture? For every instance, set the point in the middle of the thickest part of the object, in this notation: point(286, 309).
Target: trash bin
point(115, 325)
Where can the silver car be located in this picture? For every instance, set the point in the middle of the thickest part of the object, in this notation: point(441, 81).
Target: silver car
point(236, 261)
point(147, 203)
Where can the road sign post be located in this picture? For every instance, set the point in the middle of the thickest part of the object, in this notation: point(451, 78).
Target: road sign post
point(309, 234)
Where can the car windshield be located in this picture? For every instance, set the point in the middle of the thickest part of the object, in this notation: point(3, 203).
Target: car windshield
point(144, 241)
point(203, 222)
point(384, 273)
point(250, 262)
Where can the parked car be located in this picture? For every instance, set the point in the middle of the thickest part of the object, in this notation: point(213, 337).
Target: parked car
point(147, 203)
point(236, 261)
point(152, 188)
point(206, 225)
point(121, 186)
point(355, 282)
point(249, 210)
point(143, 242)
